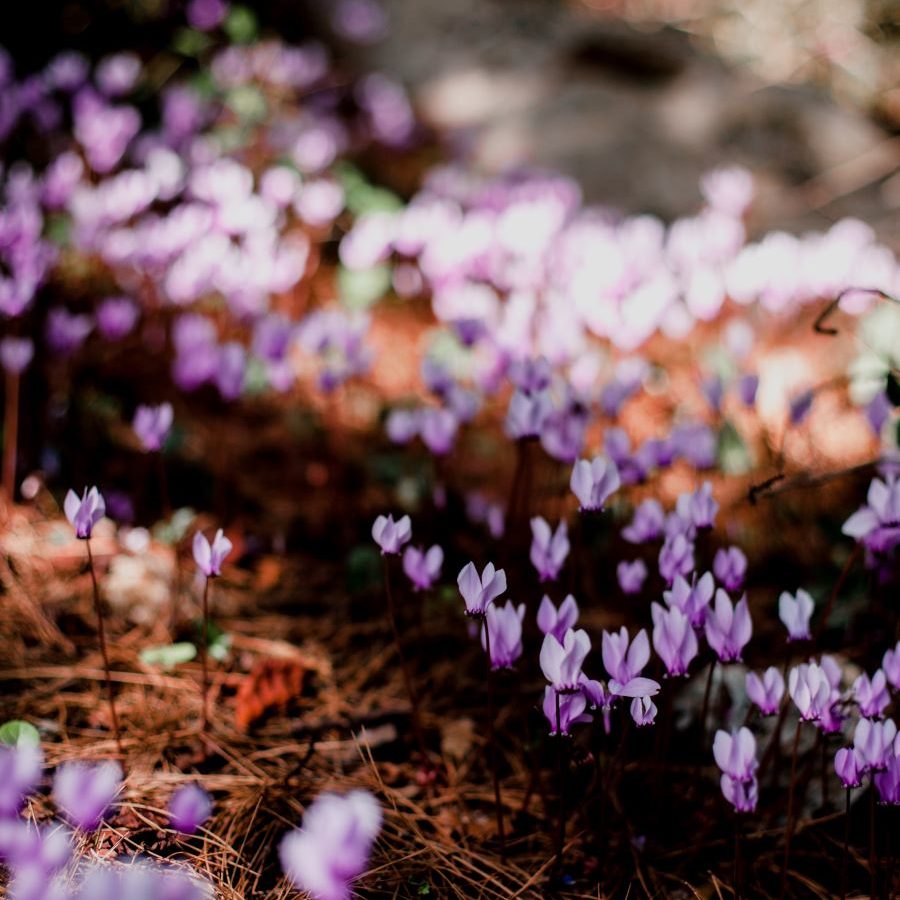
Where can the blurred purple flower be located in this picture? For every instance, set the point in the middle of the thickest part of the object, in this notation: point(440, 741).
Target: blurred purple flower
point(676, 557)
point(152, 425)
point(742, 795)
point(21, 767)
point(421, 567)
point(549, 549)
point(561, 661)
point(643, 711)
point(673, 638)
point(437, 428)
point(871, 695)
point(16, 354)
point(766, 692)
point(189, 808)
point(66, 331)
point(505, 626)
point(646, 524)
point(86, 512)
point(728, 627)
point(571, 709)
point(795, 612)
point(116, 317)
point(391, 535)
point(209, 557)
point(888, 782)
point(698, 508)
point(747, 387)
point(594, 482)
point(692, 599)
point(204, 15)
point(85, 792)
point(873, 741)
point(555, 621)
point(332, 847)
point(631, 576)
point(730, 567)
point(479, 593)
point(849, 765)
point(877, 524)
point(878, 411)
point(891, 665)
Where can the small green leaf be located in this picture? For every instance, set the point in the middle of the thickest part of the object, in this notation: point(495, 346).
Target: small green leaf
point(190, 42)
point(241, 25)
point(16, 732)
point(168, 655)
point(247, 103)
point(734, 457)
point(220, 647)
point(359, 289)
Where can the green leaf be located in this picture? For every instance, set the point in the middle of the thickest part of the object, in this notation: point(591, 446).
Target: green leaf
point(16, 732)
point(734, 457)
point(57, 227)
point(247, 103)
point(363, 568)
point(241, 25)
point(359, 289)
point(190, 42)
point(220, 646)
point(169, 655)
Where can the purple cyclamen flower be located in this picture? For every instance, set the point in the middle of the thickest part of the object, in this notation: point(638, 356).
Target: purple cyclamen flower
point(728, 627)
point(878, 411)
point(730, 567)
point(423, 568)
point(698, 508)
point(549, 549)
point(152, 425)
point(85, 792)
point(799, 406)
point(692, 599)
point(571, 710)
point(888, 782)
point(594, 482)
point(631, 576)
point(849, 765)
point(643, 711)
point(33, 853)
point(766, 692)
point(66, 331)
point(332, 847)
point(871, 694)
point(890, 664)
point(402, 425)
point(16, 354)
point(811, 690)
point(391, 535)
point(874, 742)
point(204, 15)
point(673, 638)
point(86, 512)
point(742, 795)
point(527, 414)
point(20, 772)
point(189, 808)
point(625, 660)
point(555, 621)
point(878, 522)
point(795, 612)
point(713, 390)
point(646, 524)
point(437, 428)
point(561, 661)
point(735, 753)
point(116, 317)
point(505, 626)
point(747, 387)
point(209, 557)
point(676, 557)
point(479, 593)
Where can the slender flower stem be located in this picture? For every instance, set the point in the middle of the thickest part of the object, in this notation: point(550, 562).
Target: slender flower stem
point(737, 857)
point(101, 632)
point(789, 824)
point(163, 485)
point(407, 678)
point(873, 861)
point(10, 435)
point(705, 710)
point(204, 655)
point(561, 826)
point(846, 847)
point(836, 590)
point(498, 805)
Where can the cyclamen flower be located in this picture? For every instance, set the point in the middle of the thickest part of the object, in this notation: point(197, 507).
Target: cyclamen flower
point(673, 638)
point(85, 792)
point(33, 853)
point(643, 711)
point(571, 710)
point(527, 414)
point(549, 549)
point(877, 524)
point(692, 599)
point(557, 621)
point(730, 567)
point(631, 576)
point(16, 354)
point(735, 753)
point(728, 628)
point(505, 628)
point(437, 428)
point(332, 847)
point(594, 482)
point(747, 387)
point(85, 513)
point(391, 535)
point(561, 662)
point(766, 692)
point(646, 524)
point(849, 766)
point(152, 425)
point(624, 662)
point(810, 690)
point(189, 807)
point(423, 568)
point(116, 317)
point(888, 782)
point(20, 773)
point(209, 557)
point(698, 508)
point(676, 558)
point(795, 613)
point(890, 664)
point(873, 741)
point(871, 694)
point(479, 593)
point(742, 795)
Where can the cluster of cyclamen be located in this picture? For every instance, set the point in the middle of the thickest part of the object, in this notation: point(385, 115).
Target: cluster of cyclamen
point(173, 210)
point(40, 858)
